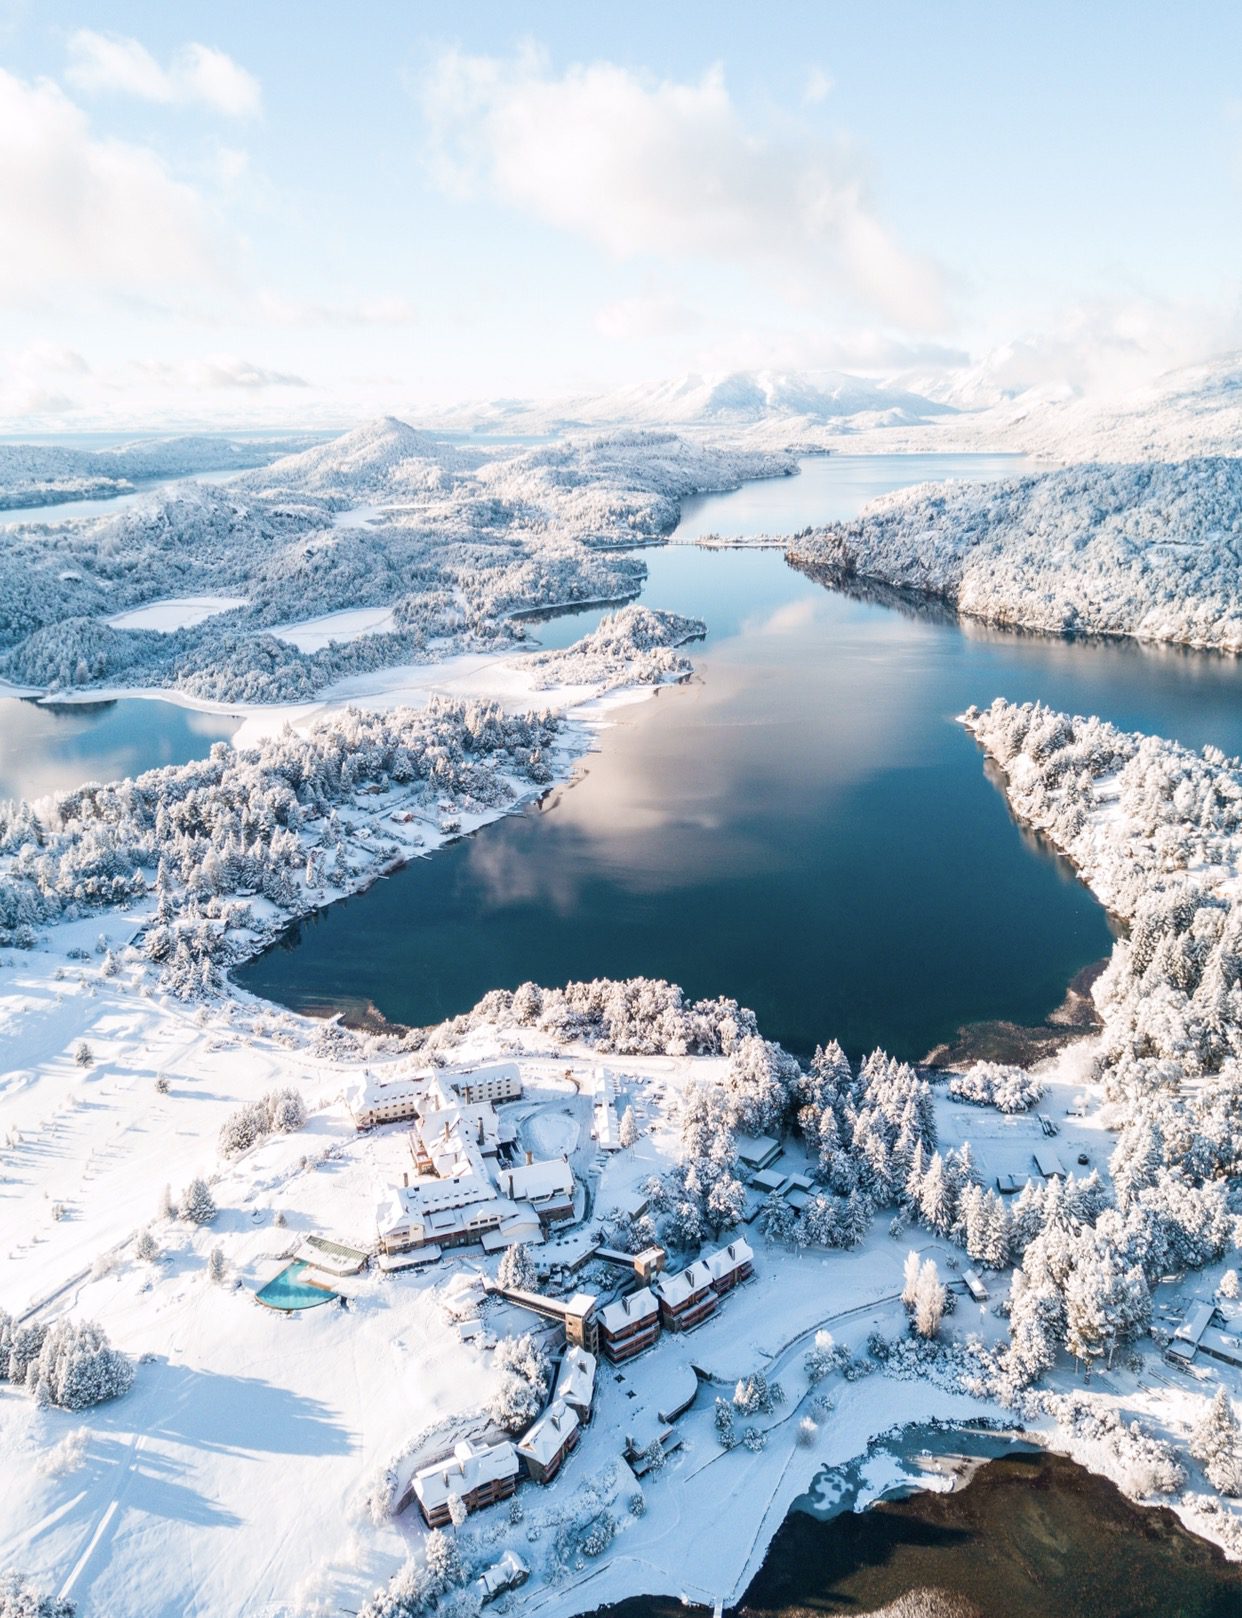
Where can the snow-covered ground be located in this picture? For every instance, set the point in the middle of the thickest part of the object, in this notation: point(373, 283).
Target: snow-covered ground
point(314, 633)
point(178, 612)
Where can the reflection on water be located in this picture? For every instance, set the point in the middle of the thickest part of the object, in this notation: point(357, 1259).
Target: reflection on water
point(53, 747)
point(1032, 1536)
point(804, 826)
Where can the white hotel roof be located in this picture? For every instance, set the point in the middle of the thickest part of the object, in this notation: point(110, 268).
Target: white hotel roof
point(468, 1468)
point(550, 1433)
point(628, 1311)
point(576, 1382)
point(675, 1289)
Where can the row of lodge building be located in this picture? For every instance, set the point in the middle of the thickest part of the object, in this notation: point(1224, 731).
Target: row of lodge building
point(479, 1474)
point(673, 1302)
point(465, 1187)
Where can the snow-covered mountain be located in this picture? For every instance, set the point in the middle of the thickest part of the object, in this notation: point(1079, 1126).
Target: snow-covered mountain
point(380, 457)
point(790, 401)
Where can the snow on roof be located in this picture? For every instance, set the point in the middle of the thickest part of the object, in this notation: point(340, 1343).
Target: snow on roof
point(369, 1092)
point(522, 1227)
point(628, 1311)
point(576, 1381)
point(757, 1150)
point(678, 1289)
point(1049, 1164)
point(1197, 1321)
point(767, 1180)
point(410, 1204)
point(489, 1073)
point(532, 1181)
point(470, 1466)
point(502, 1575)
point(550, 1433)
point(727, 1259)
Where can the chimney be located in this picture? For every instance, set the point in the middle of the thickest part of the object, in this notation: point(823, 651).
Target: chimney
point(530, 1158)
point(405, 1180)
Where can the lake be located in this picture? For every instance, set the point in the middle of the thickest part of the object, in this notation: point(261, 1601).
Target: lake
point(54, 747)
point(1031, 1536)
point(803, 826)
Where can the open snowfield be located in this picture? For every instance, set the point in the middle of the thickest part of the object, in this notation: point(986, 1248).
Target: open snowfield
point(314, 633)
point(179, 612)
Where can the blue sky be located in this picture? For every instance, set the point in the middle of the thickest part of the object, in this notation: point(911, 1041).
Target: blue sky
point(307, 212)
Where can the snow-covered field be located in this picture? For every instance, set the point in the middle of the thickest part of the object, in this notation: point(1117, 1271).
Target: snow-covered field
point(179, 612)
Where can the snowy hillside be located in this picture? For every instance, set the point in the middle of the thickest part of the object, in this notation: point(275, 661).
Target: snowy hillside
point(1153, 550)
point(441, 546)
point(40, 474)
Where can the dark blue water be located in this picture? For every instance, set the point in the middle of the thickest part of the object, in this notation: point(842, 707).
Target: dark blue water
point(53, 748)
point(804, 826)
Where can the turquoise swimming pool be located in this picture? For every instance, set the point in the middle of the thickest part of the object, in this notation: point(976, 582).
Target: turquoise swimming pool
point(289, 1291)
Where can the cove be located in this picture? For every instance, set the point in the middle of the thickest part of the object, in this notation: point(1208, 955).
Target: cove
point(803, 826)
point(1031, 1536)
point(56, 747)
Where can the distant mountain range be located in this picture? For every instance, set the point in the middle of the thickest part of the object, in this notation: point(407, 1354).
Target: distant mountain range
point(741, 399)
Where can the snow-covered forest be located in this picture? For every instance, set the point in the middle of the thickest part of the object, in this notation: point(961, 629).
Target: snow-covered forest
point(275, 825)
point(40, 474)
point(1148, 550)
point(453, 540)
point(633, 646)
point(1156, 831)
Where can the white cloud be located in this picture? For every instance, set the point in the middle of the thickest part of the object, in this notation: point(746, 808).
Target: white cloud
point(653, 314)
point(375, 311)
point(217, 371)
point(77, 209)
point(818, 87)
point(673, 170)
point(110, 64)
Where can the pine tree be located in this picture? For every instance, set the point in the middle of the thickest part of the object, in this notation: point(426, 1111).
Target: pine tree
point(1216, 1442)
point(197, 1203)
point(937, 1197)
point(516, 1272)
point(444, 1565)
point(146, 1247)
point(910, 1279)
point(628, 1132)
point(215, 1265)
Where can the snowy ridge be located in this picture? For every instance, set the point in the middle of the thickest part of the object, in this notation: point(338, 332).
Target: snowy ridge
point(452, 544)
point(1151, 550)
point(37, 474)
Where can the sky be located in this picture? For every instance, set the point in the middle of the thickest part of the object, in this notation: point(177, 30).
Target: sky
point(306, 213)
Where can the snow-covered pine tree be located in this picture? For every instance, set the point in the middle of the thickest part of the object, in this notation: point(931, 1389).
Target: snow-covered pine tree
point(516, 1272)
point(1216, 1442)
point(197, 1203)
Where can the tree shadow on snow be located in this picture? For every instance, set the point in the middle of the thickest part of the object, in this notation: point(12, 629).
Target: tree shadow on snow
point(235, 1414)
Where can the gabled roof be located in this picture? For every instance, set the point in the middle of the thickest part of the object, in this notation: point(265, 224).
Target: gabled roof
point(470, 1466)
point(674, 1290)
point(550, 1433)
point(532, 1181)
point(576, 1381)
point(629, 1311)
point(727, 1259)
